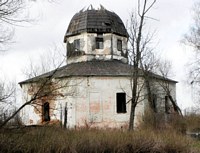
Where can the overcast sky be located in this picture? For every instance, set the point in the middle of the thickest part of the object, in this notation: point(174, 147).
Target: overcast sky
point(174, 18)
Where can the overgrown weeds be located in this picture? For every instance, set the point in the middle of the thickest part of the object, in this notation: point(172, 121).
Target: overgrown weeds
point(193, 122)
point(57, 140)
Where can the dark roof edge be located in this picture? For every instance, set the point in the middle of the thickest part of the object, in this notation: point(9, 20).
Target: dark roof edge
point(34, 80)
point(65, 71)
point(154, 77)
point(44, 75)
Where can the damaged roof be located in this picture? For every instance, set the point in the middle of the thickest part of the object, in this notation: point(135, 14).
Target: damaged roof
point(95, 21)
point(113, 68)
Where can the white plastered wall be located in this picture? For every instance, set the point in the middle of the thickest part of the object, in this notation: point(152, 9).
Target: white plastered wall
point(87, 45)
point(79, 94)
point(101, 92)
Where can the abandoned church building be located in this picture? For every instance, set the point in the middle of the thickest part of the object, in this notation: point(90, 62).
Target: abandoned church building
point(94, 86)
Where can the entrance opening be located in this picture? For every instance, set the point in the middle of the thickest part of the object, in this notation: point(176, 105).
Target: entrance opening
point(46, 116)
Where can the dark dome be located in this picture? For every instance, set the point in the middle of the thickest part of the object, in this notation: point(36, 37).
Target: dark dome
point(96, 21)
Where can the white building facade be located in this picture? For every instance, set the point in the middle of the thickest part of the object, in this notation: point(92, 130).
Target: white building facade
point(94, 88)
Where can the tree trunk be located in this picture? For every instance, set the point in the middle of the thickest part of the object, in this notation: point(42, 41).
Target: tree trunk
point(137, 49)
point(134, 99)
point(15, 113)
point(132, 116)
point(176, 108)
point(149, 94)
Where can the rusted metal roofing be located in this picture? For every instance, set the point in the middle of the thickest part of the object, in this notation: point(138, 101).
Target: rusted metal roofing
point(94, 68)
point(96, 21)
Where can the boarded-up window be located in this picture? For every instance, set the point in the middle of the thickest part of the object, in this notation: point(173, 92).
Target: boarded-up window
point(119, 44)
point(99, 41)
point(95, 107)
point(46, 116)
point(121, 102)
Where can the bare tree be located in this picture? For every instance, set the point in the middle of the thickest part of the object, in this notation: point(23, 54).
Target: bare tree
point(45, 62)
point(157, 83)
point(6, 91)
point(139, 44)
point(7, 99)
point(45, 86)
point(192, 39)
point(41, 75)
point(12, 13)
point(164, 70)
point(37, 95)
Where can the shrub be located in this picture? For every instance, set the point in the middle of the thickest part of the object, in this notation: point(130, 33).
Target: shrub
point(163, 121)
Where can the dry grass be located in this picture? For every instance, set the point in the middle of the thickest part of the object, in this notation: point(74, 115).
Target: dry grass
point(56, 140)
point(193, 122)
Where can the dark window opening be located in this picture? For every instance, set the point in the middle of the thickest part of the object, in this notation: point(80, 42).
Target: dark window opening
point(119, 44)
point(99, 41)
point(107, 23)
point(46, 111)
point(70, 48)
point(121, 102)
point(77, 45)
point(167, 107)
point(154, 102)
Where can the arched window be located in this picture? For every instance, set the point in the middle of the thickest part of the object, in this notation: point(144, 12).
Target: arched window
point(46, 111)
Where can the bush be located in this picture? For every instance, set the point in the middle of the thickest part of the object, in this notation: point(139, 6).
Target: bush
point(163, 121)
